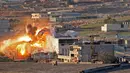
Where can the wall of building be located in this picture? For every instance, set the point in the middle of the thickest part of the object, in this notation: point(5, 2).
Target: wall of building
point(64, 44)
point(115, 27)
point(16, 0)
point(86, 1)
point(4, 26)
point(77, 1)
point(64, 49)
point(63, 16)
point(100, 49)
point(85, 55)
point(52, 44)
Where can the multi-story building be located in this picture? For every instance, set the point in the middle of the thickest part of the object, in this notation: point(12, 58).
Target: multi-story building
point(73, 55)
point(64, 44)
point(82, 52)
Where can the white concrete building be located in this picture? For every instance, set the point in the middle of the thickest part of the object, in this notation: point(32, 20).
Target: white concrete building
point(36, 15)
point(115, 27)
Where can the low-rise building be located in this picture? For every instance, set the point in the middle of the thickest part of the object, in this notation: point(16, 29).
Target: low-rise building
point(4, 26)
point(64, 44)
point(15, 0)
point(36, 15)
point(100, 48)
point(73, 55)
point(63, 16)
point(83, 54)
point(115, 27)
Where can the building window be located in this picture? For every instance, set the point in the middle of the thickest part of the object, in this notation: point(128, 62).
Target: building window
point(72, 55)
point(122, 26)
point(62, 44)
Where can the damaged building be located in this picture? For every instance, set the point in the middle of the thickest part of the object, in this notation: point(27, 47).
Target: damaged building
point(82, 52)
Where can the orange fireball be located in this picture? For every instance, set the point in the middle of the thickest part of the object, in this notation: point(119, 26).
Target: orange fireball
point(22, 47)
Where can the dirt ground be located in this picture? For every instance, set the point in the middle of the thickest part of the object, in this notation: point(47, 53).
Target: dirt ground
point(25, 67)
point(30, 67)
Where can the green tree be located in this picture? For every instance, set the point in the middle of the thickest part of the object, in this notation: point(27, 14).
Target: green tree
point(110, 20)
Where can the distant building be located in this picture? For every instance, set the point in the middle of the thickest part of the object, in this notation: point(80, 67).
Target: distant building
point(64, 44)
point(90, 1)
point(36, 15)
point(115, 27)
point(71, 33)
point(122, 49)
point(15, 0)
point(4, 26)
point(63, 16)
point(125, 0)
point(42, 56)
point(61, 44)
point(83, 54)
point(68, 26)
point(73, 55)
point(2, 1)
point(76, 1)
point(101, 48)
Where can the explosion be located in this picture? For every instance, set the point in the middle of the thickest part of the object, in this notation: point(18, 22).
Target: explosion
point(22, 48)
point(35, 40)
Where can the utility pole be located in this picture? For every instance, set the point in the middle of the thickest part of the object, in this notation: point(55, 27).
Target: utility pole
point(92, 51)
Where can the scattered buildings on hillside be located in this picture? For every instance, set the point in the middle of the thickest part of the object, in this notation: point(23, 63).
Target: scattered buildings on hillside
point(104, 48)
point(63, 43)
